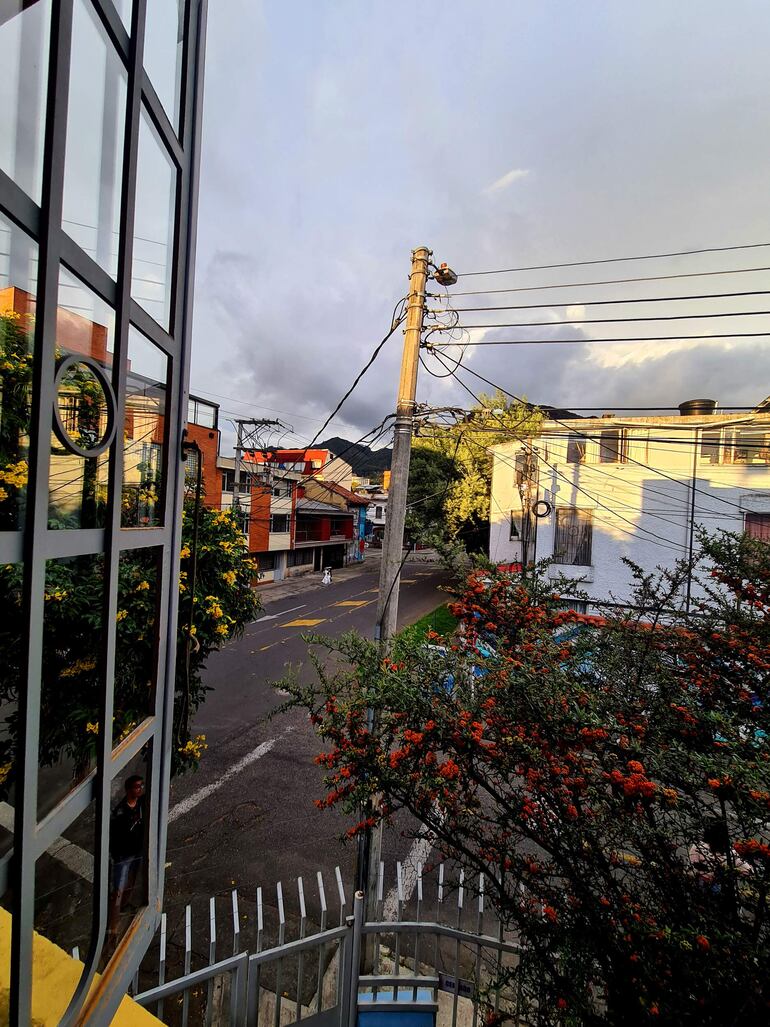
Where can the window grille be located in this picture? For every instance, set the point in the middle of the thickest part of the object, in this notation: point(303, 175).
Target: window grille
point(758, 526)
point(574, 536)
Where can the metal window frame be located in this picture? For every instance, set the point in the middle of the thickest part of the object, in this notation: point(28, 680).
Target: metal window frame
point(36, 544)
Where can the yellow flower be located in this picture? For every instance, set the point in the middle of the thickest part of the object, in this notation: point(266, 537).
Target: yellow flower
point(143, 586)
point(121, 615)
point(92, 729)
point(193, 630)
point(15, 474)
point(57, 595)
point(78, 667)
point(195, 747)
point(5, 770)
point(184, 553)
point(3, 494)
point(222, 629)
point(229, 577)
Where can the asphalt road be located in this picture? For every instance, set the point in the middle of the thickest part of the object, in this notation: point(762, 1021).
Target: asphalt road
point(246, 818)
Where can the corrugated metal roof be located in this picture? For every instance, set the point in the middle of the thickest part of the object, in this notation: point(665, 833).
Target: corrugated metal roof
point(315, 506)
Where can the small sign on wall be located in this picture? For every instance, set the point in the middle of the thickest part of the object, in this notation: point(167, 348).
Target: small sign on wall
point(447, 983)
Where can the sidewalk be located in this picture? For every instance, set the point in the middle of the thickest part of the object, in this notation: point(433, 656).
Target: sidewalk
point(272, 591)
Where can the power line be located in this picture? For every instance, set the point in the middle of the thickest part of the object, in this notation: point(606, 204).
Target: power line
point(616, 260)
point(580, 342)
point(607, 303)
point(613, 320)
point(655, 470)
point(608, 281)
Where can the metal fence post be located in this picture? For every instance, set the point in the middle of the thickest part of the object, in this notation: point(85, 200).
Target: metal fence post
point(355, 958)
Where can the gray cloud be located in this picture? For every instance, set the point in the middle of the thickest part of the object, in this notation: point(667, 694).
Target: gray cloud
point(326, 157)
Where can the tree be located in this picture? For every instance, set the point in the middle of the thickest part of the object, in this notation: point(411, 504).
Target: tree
point(15, 382)
point(574, 767)
point(466, 501)
point(223, 603)
point(431, 473)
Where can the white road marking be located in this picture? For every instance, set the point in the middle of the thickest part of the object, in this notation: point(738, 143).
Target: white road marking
point(71, 855)
point(203, 793)
point(274, 616)
point(418, 853)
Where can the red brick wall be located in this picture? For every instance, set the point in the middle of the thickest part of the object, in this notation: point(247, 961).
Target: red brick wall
point(259, 522)
point(208, 440)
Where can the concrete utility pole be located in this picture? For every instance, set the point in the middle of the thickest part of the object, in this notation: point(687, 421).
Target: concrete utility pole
point(390, 568)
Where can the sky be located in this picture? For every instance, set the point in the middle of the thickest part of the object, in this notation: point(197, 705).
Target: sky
point(340, 135)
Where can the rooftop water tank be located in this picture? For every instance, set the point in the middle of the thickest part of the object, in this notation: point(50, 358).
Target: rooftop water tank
point(697, 407)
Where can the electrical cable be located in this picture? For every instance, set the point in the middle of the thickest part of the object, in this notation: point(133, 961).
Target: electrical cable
point(614, 320)
point(573, 342)
point(573, 431)
point(609, 303)
point(616, 260)
point(609, 281)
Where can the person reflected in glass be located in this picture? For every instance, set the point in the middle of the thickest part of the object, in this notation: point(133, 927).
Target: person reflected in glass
point(126, 847)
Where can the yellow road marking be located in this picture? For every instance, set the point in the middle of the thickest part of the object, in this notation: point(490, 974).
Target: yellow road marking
point(354, 602)
point(370, 591)
point(304, 623)
point(263, 647)
point(408, 581)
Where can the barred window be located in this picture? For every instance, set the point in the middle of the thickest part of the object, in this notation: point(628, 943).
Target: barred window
point(758, 526)
point(279, 523)
point(574, 535)
point(576, 451)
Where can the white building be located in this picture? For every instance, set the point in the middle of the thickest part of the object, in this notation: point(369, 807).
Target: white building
point(588, 492)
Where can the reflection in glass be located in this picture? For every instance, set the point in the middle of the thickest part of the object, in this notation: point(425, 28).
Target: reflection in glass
point(95, 125)
point(82, 408)
point(18, 281)
point(154, 225)
point(78, 485)
point(128, 849)
point(163, 52)
point(12, 634)
point(70, 694)
point(136, 641)
point(64, 878)
point(24, 30)
point(144, 433)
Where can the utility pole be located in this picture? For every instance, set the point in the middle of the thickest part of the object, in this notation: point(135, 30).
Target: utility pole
point(249, 435)
point(390, 568)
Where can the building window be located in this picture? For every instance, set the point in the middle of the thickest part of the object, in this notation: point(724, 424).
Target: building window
point(576, 451)
point(574, 534)
point(750, 446)
point(281, 490)
point(228, 481)
point(709, 447)
point(758, 526)
point(299, 557)
point(612, 446)
point(279, 523)
point(204, 414)
point(514, 532)
point(378, 513)
point(266, 561)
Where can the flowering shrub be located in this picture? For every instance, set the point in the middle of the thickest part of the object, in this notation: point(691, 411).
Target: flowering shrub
point(576, 770)
point(70, 725)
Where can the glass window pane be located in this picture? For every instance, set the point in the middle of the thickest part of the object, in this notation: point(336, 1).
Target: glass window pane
point(125, 9)
point(69, 699)
point(136, 640)
point(78, 485)
point(144, 433)
point(18, 282)
point(129, 834)
point(24, 32)
point(163, 52)
point(64, 896)
point(95, 127)
point(154, 225)
point(12, 635)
